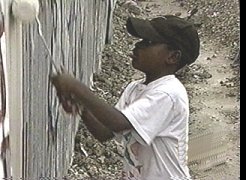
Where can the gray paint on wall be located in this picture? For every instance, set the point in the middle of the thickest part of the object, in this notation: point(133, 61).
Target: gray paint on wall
point(75, 31)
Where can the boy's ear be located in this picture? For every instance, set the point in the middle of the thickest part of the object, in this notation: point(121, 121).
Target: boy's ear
point(174, 57)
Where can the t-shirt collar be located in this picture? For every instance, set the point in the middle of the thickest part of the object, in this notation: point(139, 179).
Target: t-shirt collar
point(161, 79)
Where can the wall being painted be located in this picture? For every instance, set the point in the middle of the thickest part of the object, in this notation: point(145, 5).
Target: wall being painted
point(75, 32)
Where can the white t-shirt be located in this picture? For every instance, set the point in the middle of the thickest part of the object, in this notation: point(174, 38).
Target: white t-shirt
point(156, 149)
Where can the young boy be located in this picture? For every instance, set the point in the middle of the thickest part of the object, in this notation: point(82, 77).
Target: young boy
point(151, 117)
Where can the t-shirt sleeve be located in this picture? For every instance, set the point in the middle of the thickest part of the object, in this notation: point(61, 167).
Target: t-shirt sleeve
point(124, 96)
point(150, 114)
point(121, 104)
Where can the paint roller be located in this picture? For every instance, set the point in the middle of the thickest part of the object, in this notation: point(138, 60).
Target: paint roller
point(27, 11)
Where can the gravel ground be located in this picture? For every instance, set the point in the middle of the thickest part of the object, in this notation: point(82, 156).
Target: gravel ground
point(218, 23)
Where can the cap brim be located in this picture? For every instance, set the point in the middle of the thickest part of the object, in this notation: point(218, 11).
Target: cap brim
point(142, 29)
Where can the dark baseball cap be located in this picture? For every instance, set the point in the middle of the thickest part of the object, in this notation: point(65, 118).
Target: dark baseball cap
point(177, 32)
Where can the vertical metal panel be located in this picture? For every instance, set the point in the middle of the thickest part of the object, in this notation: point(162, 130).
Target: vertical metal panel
point(14, 96)
point(75, 32)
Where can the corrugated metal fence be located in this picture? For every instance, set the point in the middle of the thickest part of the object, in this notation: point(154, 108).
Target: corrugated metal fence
point(75, 32)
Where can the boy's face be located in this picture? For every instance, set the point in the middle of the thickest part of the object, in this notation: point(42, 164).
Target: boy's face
point(150, 57)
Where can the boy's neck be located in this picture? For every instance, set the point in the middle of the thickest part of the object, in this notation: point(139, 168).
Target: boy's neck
point(150, 78)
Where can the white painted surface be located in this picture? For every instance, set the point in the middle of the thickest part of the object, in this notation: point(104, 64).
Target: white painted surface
point(75, 32)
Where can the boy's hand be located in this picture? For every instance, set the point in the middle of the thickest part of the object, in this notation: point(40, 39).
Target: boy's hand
point(65, 85)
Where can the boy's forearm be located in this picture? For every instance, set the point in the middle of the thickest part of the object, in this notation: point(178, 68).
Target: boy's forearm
point(106, 114)
point(97, 129)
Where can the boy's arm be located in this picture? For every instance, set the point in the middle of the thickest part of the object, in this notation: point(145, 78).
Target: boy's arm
point(70, 88)
point(108, 115)
point(97, 129)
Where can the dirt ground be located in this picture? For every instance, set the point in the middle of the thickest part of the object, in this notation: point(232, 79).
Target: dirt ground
point(213, 87)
